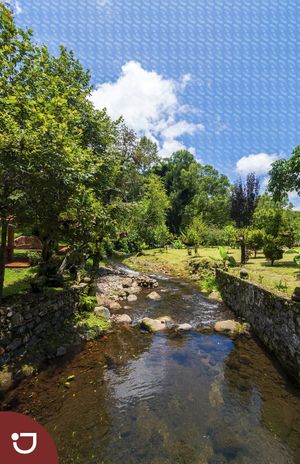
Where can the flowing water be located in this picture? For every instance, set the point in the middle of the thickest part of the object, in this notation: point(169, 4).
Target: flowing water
point(165, 399)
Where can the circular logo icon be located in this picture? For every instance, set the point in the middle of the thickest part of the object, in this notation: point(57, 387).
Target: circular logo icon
point(24, 441)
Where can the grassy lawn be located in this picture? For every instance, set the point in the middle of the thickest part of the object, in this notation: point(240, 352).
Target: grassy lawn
point(281, 278)
point(17, 280)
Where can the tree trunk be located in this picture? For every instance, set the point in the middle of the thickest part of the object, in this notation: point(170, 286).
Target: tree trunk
point(4, 227)
point(96, 263)
point(47, 251)
point(243, 251)
point(10, 243)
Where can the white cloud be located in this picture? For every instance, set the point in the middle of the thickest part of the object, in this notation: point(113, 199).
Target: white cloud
point(149, 103)
point(259, 163)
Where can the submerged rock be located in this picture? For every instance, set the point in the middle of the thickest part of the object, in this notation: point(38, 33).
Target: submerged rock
point(231, 327)
point(184, 327)
point(131, 297)
point(154, 296)
point(121, 319)
point(156, 325)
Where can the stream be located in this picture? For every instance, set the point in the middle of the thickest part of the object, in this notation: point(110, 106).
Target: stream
point(189, 398)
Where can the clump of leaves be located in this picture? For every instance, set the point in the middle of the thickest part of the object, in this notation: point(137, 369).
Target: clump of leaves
point(272, 250)
point(87, 303)
point(227, 258)
point(208, 284)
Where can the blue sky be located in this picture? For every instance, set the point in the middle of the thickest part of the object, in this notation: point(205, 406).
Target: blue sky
point(220, 77)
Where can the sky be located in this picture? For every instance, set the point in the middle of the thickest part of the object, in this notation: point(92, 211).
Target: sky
point(217, 77)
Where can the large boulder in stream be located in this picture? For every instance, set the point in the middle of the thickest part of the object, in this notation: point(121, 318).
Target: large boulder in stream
point(156, 325)
point(231, 327)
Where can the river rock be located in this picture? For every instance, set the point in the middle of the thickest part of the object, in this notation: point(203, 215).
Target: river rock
point(154, 296)
point(131, 297)
point(244, 274)
point(102, 311)
point(133, 290)
point(231, 327)
point(127, 282)
point(114, 305)
point(121, 319)
point(156, 325)
point(184, 327)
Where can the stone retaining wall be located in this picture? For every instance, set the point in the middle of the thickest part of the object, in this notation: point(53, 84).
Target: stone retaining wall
point(28, 319)
point(275, 320)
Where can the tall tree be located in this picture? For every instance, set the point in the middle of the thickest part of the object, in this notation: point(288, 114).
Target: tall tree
point(41, 150)
point(285, 175)
point(193, 190)
point(244, 197)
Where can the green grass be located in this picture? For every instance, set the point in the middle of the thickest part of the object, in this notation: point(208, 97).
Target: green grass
point(17, 280)
point(283, 274)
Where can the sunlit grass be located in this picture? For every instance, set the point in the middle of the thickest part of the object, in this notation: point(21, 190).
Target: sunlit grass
point(281, 278)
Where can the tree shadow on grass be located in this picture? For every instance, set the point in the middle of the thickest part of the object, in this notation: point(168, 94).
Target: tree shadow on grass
point(19, 285)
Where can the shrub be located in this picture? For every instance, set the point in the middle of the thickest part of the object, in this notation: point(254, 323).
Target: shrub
point(226, 258)
point(178, 244)
point(87, 303)
point(272, 250)
point(254, 240)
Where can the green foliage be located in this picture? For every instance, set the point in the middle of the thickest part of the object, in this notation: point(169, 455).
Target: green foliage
point(209, 284)
point(194, 235)
point(178, 244)
point(244, 197)
point(284, 176)
point(227, 258)
point(272, 250)
point(227, 236)
point(87, 303)
point(193, 190)
point(274, 218)
point(254, 239)
point(34, 258)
